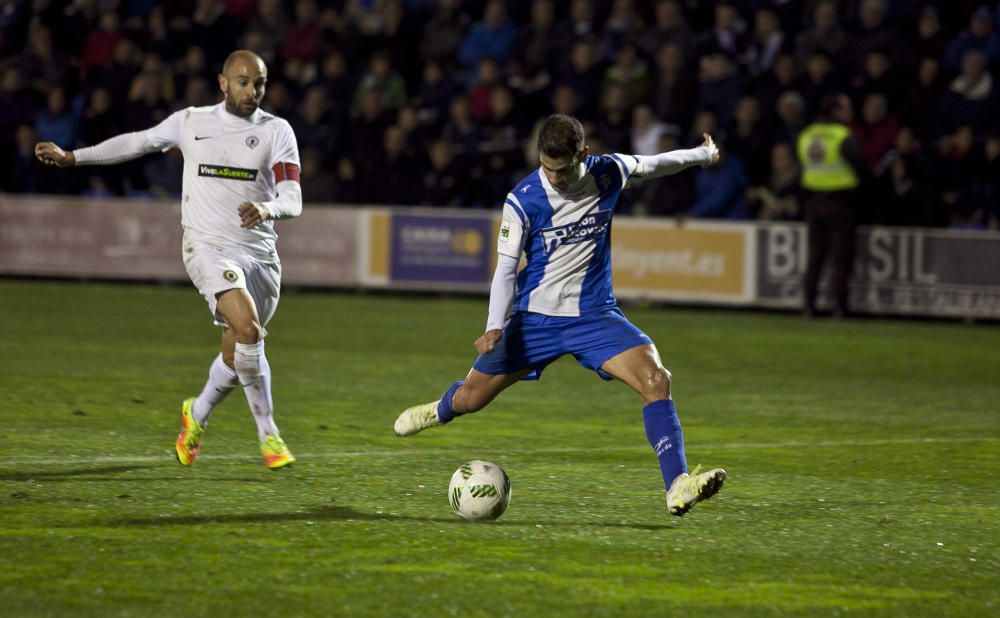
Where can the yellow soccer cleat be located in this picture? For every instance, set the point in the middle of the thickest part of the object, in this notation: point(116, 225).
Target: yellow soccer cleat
point(189, 439)
point(690, 489)
point(276, 453)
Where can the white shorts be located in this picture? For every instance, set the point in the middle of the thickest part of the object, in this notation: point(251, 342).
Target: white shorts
point(213, 270)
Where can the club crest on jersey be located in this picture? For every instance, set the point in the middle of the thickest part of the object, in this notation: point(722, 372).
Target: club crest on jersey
point(590, 227)
point(231, 276)
point(252, 142)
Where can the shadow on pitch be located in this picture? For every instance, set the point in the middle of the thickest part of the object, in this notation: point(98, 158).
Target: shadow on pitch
point(55, 475)
point(347, 513)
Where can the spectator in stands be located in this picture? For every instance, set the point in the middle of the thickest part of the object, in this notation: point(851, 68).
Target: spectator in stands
point(622, 25)
point(646, 131)
point(41, 64)
point(493, 37)
point(675, 87)
point(766, 42)
point(876, 132)
point(719, 190)
point(979, 36)
point(719, 85)
point(729, 31)
point(580, 25)
point(19, 173)
point(872, 32)
point(877, 76)
point(384, 81)
point(584, 75)
point(99, 47)
point(270, 22)
point(668, 27)
point(818, 80)
point(929, 41)
point(398, 171)
point(630, 72)
point(972, 96)
point(488, 77)
point(791, 112)
point(911, 187)
point(615, 123)
point(17, 105)
point(461, 130)
point(536, 44)
point(302, 39)
point(825, 33)
point(443, 33)
point(214, 28)
point(923, 99)
point(748, 137)
point(56, 122)
point(959, 170)
point(444, 183)
point(779, 198)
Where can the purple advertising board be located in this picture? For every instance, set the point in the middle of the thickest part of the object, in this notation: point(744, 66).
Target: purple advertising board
point(440, 249)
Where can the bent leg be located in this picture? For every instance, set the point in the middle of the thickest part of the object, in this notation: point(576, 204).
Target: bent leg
point(221, 380)
point(640, 368)
point(238, 310)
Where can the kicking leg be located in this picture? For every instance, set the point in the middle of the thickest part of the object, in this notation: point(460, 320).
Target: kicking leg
point(640, 367)
point(463, 397)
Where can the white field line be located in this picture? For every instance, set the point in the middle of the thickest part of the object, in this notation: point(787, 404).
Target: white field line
point(31, 460)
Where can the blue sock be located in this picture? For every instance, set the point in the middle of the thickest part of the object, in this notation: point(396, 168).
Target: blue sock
point(445, 411)
point(663, 430)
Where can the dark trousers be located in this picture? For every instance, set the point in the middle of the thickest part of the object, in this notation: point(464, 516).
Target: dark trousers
point(830, 220)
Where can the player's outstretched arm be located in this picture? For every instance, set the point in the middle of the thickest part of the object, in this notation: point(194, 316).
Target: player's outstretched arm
point(51, 154)
point(675, 161)
point(501, 297)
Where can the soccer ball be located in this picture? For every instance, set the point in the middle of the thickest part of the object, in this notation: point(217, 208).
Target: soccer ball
point(479, 490)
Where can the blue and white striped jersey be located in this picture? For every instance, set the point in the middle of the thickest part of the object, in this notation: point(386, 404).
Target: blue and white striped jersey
point(565, 237)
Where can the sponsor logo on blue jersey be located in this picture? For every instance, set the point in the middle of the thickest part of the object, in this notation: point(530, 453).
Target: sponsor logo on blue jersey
point(588, 228)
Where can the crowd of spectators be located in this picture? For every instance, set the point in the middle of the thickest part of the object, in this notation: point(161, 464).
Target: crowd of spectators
point(436, 102)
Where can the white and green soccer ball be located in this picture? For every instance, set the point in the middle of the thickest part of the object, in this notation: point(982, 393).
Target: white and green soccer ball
point(479, 490)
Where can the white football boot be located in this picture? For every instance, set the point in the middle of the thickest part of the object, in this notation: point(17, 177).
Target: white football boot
point(688, 490)
point(417, 419)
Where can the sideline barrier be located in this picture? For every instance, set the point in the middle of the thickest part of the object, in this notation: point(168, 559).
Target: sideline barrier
point(898, 271)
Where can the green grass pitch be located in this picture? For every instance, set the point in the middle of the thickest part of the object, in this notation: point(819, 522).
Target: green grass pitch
point(863, 461)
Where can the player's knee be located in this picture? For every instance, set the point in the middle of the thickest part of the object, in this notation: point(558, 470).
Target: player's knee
point(249, 332)
point(656, 384)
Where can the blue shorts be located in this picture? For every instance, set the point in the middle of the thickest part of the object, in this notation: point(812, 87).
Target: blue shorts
point(533, 340)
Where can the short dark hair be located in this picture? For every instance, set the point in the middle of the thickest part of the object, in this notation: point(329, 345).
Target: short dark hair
point(561, 136)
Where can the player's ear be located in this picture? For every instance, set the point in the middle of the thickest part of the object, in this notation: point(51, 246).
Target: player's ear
point(583, 153)
point(223, 82)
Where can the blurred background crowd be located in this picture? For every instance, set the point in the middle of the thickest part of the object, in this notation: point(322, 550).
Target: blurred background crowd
point(436, 102)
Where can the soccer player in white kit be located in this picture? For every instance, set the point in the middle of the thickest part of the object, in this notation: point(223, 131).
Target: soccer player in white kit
point(559, 218)
point(241, 172)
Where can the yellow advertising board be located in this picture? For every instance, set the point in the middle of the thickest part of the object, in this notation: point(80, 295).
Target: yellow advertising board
point(696, 261)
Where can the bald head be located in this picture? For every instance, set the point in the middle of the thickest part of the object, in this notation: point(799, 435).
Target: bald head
point(241, 57)
point(243, 79)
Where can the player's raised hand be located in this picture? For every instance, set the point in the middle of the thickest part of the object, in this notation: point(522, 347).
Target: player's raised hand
point(710, 143)
point(51, 154)
point(252, 214)
point(488, 340)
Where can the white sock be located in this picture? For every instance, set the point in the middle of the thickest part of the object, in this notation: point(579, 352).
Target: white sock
point(255, 376)
point(221, 380)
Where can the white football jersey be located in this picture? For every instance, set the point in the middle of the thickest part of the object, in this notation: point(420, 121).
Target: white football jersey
point(228, 160)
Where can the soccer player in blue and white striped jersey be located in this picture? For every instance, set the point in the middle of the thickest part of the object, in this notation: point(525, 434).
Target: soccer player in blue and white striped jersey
point(559, 218)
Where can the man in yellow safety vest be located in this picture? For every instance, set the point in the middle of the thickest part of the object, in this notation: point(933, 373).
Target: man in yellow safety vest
point(832, 171)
